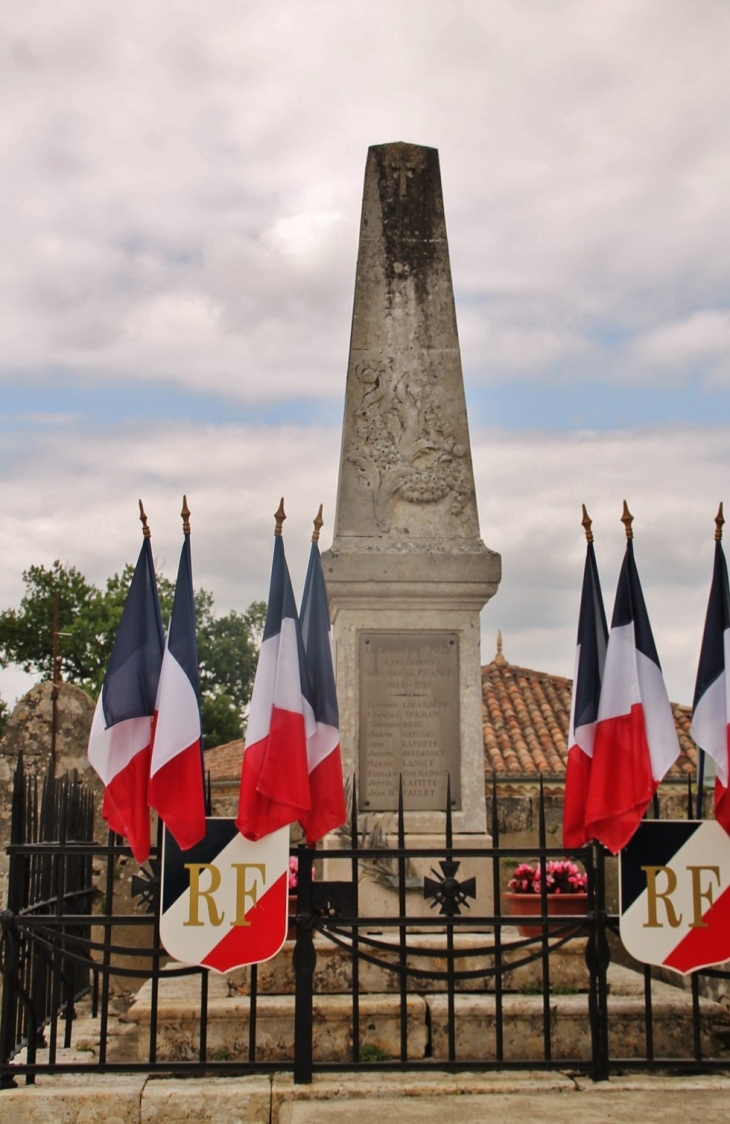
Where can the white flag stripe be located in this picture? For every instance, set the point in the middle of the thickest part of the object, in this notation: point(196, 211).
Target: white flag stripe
point(178, 714)
point(620, 686)
point(585, 737)
point(658, 943)
point(709, 726)
point(111, 749)
point(272, 852)
point(710, 720)
point(262, 697)
point(323, 741)
point(288, 687)
point(661, 732)
point(631, 678)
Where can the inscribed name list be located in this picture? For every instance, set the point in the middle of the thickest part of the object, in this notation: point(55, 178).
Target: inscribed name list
point(409, 719)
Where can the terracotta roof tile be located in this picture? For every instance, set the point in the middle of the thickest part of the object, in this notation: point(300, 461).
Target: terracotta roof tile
point(224, 762)
point(525, 719)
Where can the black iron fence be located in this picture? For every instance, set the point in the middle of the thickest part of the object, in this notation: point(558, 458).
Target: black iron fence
point(404, 958)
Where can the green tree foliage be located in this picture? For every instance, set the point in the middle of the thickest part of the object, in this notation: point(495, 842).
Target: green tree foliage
point(88, 619)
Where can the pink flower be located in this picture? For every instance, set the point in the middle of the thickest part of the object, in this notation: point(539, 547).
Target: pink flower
point(561, 877)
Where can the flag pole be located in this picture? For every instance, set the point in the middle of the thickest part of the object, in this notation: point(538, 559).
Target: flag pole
point(628, 521)
point(719, 520)
point(279, 516)
point(143, 520)
point(185, 516)
point(318, 525)
point(587, 523)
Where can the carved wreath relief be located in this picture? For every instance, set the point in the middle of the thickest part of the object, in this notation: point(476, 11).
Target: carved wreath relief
point(403, 446)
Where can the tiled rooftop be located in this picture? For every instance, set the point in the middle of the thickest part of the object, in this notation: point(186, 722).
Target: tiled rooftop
point(224, 762)
point(525, 717)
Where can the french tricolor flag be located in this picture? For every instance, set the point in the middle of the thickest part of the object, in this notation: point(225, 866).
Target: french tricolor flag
point(176, 769)
point(711, 711)
point(121, 732)
point(590, 659)
point(324, 759)
point(275, 775)
point(636, 739)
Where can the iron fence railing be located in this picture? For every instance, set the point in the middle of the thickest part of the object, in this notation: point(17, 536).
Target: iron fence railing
point(67, 944)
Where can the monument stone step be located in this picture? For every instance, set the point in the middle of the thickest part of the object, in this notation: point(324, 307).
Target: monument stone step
point(228, 1022)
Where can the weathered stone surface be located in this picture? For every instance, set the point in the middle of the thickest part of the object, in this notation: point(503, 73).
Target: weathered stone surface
point(407, 555)
point(406, 459)
point(569, 1025)
point(220, 1100)
point(178, 1033)
point(618, 1106)
point(75, 1099)
point(346, 1089)
point(426, 1096)
point(28, 729)
point(333, 972)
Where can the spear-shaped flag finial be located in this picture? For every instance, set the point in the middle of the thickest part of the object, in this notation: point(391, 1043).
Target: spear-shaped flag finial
point(587, 523)
point(627, 519)
point(279, 516)
point(143, 520)
point(185, 513)
point(318, 524)
point(719, 520)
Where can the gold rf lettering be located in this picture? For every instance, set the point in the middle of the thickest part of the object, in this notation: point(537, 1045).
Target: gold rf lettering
point(247, 891)
point(655, 895)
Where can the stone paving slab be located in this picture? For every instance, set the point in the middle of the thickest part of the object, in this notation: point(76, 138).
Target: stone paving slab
point(469, 1098)
point(618, 1107)
point(220, 1100)
point(75, 1099)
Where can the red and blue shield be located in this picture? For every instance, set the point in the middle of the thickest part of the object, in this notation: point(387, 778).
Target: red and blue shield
point(675, 894)
point(225, 900)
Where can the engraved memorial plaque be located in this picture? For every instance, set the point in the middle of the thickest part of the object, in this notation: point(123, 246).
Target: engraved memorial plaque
point(409, 719)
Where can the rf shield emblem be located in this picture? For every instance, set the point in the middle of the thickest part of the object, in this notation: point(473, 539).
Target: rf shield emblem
point(675, 894)
point(225, 900)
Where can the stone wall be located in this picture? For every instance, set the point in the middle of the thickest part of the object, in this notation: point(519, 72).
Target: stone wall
point(28, 731)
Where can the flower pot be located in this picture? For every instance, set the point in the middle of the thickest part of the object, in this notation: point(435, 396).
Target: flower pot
point(292, 930)
point(558, 905)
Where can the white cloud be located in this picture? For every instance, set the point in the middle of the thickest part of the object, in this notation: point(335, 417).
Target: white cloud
point(181, 194)
point(703, 338)
point(182, 189)
point(74, 497)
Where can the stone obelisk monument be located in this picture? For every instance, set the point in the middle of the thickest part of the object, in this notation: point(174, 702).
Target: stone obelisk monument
point(407, 573)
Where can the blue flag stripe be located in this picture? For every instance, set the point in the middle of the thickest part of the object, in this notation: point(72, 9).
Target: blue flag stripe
point(717, 622)
point(130, 683)
point(630, 607)
point(316, 636)
point(182, 642)
point(282, 606)
point(592, 638)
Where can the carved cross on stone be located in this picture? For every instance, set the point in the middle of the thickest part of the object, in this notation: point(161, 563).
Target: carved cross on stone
point(403, 169)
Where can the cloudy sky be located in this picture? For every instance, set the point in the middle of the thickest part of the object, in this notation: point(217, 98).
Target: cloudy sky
point(181, 188)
